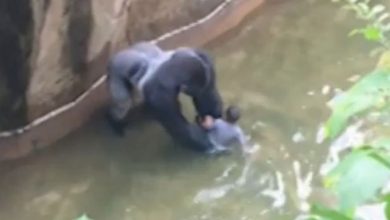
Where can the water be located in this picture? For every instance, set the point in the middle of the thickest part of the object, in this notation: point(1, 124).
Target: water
point(281, 68)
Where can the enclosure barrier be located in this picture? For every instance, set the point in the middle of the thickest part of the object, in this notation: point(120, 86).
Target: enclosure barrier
point(46, 130)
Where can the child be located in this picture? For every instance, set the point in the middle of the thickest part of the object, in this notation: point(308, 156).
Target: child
point(225, 132)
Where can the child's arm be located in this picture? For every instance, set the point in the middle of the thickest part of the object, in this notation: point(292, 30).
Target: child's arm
point(243, 140)
point(241, 137)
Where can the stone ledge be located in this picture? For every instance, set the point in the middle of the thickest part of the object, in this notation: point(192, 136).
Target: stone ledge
point(45, 131)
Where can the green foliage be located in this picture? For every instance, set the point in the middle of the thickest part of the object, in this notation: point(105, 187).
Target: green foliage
point(387, 207)
point(379, 20)
point(358, 178)
point(360, 175)
point(371, 92)
point(370, 33)
point(383, 142)
point(384, 61)
point(323, 213)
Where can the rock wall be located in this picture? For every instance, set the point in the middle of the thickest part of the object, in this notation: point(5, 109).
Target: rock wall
point(53, 50)
point(42, 132)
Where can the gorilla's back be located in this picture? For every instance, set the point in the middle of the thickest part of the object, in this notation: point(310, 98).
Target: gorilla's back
point(125, 60)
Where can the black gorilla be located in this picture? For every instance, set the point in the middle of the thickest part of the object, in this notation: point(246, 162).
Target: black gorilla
point(160, 76)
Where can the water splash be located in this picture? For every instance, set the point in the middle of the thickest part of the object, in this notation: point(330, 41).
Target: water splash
point(243, 178)
point(311, 93)
point(226, 172)
point(208, 195)
point(277, 193)
point(321, 134)
point(258, 124)
point(304, 186)
point(215, 193)
point(350, 138)
point(325, 89)
point(218, 192)
point(298, 137)
point(354, 78)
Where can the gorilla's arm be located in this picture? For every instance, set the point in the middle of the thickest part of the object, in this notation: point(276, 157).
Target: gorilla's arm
point(209, 101)
point(165, 107)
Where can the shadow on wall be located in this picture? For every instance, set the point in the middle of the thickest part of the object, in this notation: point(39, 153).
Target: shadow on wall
point(78, 33)
point(16, 28)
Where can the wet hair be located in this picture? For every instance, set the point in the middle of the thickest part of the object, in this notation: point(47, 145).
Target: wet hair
point(232, 114)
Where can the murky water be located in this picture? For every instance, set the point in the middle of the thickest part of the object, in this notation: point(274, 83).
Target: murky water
point(281, 68)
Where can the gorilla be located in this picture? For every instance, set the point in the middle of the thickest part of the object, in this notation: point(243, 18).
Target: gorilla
point(159, 76)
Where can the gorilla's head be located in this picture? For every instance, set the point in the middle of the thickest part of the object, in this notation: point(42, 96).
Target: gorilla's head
point(200, 81)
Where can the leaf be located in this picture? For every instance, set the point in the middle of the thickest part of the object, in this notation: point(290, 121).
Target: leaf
point(383, 17)
point(384, 61)
point(372, 33)
point(372, 91)
point(381, 159)
point(336, 123)
point(386, 27)
point(383, 142)
point(376, 10)
point(387, 208)
point(358, 178)
point(328, 214)
point(365, 10)
point(354, 32)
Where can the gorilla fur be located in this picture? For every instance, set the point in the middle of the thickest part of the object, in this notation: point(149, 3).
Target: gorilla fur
point(160, 76)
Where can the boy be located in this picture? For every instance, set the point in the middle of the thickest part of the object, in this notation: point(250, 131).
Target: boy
point(225, 131)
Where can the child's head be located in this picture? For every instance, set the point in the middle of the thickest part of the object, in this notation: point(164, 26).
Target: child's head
point(232, 114)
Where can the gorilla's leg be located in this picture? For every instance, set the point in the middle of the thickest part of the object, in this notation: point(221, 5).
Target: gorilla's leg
point(125, 70)
point(121, 102)
point(208, 103)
